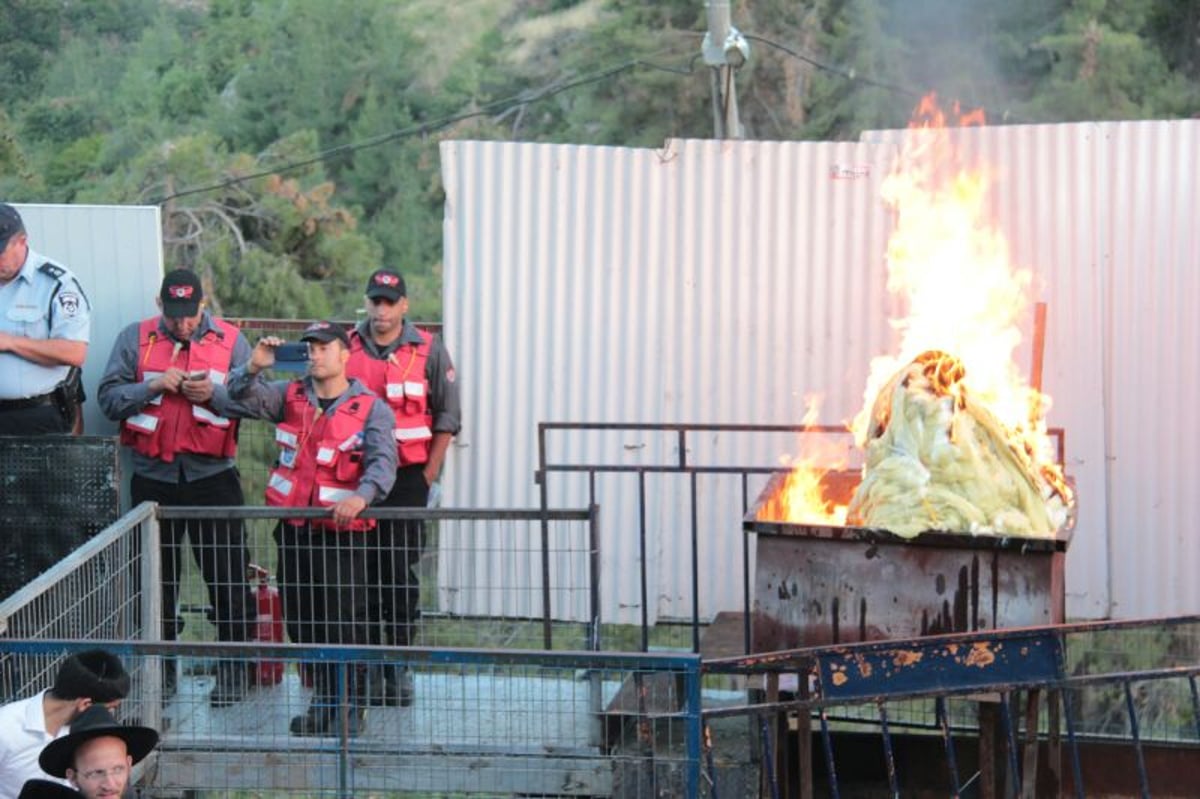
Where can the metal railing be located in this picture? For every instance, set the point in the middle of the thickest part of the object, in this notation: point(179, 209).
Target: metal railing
point(485, 722)
point(1098, 684)
point(490, 721)
point(686, 450)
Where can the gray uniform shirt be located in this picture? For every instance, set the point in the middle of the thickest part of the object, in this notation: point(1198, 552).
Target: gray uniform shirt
point(122, 395)
point(444, 402)
point(266, 400)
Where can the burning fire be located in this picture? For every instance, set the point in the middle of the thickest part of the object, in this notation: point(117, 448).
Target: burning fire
point(805, 495)
point(964, 302)
point(952, 266)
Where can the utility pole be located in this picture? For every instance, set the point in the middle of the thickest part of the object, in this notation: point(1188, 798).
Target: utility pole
point(724, 50)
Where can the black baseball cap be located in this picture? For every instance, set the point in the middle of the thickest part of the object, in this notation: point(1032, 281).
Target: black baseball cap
point(181, 293)
point(386, 283)
point(95, 722)
point(10, 224)
point(326, 331)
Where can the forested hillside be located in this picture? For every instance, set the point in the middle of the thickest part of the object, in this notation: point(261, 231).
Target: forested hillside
point(292, 144)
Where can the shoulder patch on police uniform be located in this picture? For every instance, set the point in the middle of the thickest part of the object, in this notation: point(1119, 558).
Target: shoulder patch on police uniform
point(69, 302)
point(53, 270)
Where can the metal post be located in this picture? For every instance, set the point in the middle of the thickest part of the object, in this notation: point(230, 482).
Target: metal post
point(722, 43)
point(695, 569)
point(543, 479)
point(151, 609)
point(645, 595)
point(694, 726)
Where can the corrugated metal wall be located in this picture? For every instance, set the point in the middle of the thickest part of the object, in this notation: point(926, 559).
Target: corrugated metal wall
point(117, 253)
point(723, 281)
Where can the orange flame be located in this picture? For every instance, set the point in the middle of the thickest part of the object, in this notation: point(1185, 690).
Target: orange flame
point(951, 264)
point(808, 495)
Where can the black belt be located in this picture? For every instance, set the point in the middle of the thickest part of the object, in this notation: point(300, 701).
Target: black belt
point(27, 402)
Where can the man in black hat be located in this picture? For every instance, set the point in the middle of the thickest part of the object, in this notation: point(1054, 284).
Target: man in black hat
point(98, 754)
point(335, 451)
point(165, 384)
point(412, 370)
point(84, 680)
point(45, 322)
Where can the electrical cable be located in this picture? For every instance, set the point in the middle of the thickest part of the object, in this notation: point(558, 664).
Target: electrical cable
point(504, 106)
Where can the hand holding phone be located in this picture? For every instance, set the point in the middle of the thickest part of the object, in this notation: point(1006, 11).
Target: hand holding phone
point(291, 351)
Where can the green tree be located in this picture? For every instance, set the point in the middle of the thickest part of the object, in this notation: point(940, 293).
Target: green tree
point(867, 90)
point(1106, 66)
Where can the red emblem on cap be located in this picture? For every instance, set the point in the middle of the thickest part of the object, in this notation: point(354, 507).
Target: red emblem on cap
point(180, 292)
point(387, 280)
point(319, 326)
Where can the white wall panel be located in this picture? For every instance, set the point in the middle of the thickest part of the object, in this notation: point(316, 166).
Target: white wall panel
point(720, 282)
point(707, 282)
point(117, 253)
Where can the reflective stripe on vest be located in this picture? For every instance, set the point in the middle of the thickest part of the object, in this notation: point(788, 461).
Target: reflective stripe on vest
point(401, 380)
point(319, 460)
point(168, 424)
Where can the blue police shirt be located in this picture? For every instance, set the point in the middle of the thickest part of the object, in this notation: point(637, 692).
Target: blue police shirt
point(43, 301)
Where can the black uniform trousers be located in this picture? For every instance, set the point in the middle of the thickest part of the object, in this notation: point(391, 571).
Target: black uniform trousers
point(323, 582)
point(218, 545)
point(396, 549)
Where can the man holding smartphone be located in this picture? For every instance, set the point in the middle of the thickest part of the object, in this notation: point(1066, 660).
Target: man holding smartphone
point(165, 384)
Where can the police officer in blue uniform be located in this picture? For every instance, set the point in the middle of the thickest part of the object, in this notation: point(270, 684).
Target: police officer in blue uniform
point(45, 320)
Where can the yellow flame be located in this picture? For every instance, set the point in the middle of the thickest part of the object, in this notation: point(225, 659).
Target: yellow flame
point(950, 263)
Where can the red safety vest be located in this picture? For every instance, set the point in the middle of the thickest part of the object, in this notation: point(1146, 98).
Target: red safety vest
point(320, 456)
point(400, 380)
point(169, 424)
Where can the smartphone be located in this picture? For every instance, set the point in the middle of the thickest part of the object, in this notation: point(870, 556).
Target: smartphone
point(292, 351)
point(198, 375)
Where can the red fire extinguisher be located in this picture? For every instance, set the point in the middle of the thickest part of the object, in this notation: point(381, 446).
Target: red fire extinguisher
point(269, 627)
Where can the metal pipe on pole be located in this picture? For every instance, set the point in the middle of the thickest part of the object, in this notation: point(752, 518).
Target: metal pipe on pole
point(724, 50)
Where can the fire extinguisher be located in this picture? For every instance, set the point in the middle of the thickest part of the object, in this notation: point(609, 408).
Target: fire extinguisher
point(269, 626)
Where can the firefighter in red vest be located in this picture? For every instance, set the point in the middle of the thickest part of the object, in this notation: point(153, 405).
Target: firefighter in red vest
point(336, 452)
point(412, 371)
point(165, 384)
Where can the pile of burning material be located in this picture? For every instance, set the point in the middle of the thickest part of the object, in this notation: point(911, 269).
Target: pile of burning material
point(938, 460)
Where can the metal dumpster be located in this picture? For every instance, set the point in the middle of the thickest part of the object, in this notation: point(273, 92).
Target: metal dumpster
point(820, 584)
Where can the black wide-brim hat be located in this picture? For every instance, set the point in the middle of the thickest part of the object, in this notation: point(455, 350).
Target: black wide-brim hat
point(95, 722)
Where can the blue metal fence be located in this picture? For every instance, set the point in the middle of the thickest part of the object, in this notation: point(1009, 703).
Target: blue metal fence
point(972, 682)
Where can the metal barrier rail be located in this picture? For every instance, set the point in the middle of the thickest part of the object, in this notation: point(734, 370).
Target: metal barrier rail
point(485, 722)
point(681, 464)
point(481, 573)
point(995, 667)
point(686, 439)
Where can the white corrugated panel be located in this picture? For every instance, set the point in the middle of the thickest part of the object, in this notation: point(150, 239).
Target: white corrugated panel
point(707, 282)
point(722, 281)
point(117, 253)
